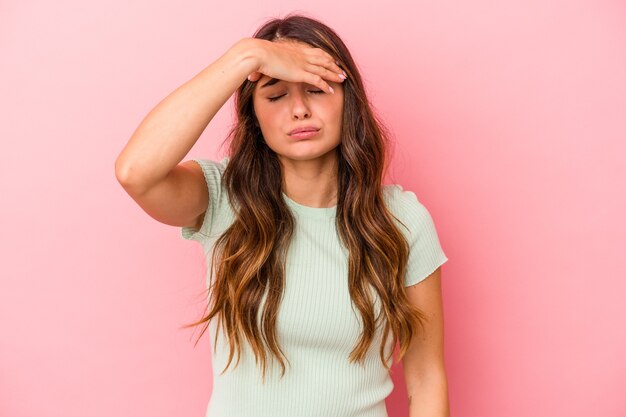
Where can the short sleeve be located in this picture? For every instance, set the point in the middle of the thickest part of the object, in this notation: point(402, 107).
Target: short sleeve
point(425, 251)
point(213, 172)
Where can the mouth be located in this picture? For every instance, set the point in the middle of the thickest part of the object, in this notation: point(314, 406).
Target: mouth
point(304, 129)
point(304, 134)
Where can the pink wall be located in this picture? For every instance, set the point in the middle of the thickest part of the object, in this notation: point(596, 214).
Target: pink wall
point(510, 120)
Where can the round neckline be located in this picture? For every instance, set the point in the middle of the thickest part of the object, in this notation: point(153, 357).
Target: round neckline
point(308, 211)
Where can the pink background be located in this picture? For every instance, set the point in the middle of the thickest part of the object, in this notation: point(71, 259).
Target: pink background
point(510, 125)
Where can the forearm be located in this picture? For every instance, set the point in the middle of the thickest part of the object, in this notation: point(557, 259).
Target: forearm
point(429, 398)
point(171, 128)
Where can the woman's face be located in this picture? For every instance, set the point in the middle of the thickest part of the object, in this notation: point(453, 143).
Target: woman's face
point(284, 106)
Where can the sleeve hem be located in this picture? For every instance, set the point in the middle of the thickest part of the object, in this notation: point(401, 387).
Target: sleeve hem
point(413, 280)
point(212, 171)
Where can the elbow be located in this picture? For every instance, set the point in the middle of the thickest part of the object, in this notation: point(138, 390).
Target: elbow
point(128, 177)
point(122, 172)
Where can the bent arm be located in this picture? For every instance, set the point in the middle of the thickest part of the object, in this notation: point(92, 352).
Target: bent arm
point(171, 129)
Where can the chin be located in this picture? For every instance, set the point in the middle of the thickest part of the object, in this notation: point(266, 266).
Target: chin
point(307, 154)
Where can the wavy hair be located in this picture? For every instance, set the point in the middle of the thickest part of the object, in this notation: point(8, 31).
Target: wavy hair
point(249, 257)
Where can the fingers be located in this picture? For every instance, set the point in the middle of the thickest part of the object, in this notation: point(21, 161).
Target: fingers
point(324, 59)
point(318, 76)
point(327, 74)
point(316, 80)
point(319, 66)
point(326, 68)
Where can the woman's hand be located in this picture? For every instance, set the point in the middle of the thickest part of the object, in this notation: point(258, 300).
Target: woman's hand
point(296, 62)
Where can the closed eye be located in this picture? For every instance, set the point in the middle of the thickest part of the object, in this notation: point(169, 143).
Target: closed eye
point(277, 97)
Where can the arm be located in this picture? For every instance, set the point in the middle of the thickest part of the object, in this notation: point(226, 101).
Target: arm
point(148, 167)
point(423, 363)
point(171, 129)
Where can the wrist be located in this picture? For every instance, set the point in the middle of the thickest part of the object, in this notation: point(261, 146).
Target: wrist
point(250, 52)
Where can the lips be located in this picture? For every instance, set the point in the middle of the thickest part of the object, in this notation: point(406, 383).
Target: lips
point(304, 129)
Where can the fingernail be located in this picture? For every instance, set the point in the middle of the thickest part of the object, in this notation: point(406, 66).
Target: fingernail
point(331, 90)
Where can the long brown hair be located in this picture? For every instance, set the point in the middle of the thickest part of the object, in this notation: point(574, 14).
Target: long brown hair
point(249, 256)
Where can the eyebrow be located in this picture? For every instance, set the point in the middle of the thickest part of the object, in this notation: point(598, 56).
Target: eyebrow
point(272, 81)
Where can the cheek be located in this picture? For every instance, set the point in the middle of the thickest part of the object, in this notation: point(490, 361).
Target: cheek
point(270, 123)
point(336, 115)
point(268, 115)
point(263, 116)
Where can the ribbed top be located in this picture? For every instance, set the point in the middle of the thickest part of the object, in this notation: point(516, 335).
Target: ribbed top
point(317, 324)
point(310, 212)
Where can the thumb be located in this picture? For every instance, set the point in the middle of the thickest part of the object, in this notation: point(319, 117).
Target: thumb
point(254, 76)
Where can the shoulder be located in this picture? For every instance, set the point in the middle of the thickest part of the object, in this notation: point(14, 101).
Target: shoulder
point(404, 204)
point(417, 225)
point(212, 167)
point(413, 216)
point(213, 174)
point(396, 193)
point(219, 213)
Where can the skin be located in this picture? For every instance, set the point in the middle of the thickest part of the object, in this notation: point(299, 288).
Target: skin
point(309, 165)
point(423, 364)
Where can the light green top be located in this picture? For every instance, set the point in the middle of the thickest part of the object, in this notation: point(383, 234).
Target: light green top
point(317, 324)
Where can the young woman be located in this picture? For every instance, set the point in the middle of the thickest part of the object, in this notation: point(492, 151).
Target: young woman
point(314, 264)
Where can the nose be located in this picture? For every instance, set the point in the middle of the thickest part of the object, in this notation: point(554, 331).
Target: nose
point(300, 109)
